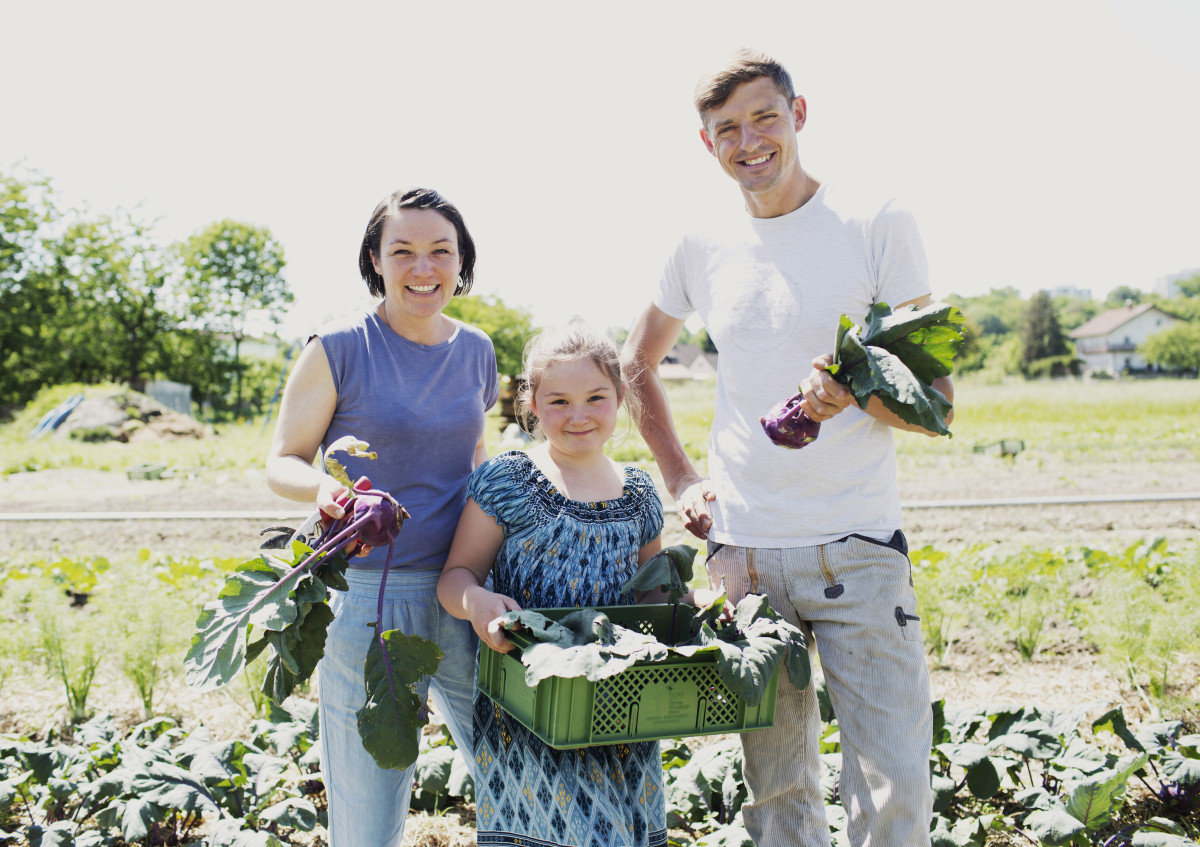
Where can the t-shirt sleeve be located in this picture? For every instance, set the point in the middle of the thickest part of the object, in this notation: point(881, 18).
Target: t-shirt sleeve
point(902, 269)
point(495, 487)
point(491, 388)
point(652, 511)
point(672, 297)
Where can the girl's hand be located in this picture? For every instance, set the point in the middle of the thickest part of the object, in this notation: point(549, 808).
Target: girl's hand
point(485, 613)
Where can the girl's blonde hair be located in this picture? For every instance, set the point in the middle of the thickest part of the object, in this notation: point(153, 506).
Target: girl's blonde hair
point(570, 343)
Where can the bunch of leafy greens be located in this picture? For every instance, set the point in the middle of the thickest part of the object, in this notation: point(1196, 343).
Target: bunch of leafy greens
point(748, 646)
point(280, 607)
point(894, 356)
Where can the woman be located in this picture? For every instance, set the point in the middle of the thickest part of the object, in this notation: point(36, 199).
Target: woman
point(415, 385)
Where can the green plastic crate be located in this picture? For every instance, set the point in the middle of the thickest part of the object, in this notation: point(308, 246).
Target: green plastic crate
point(681, 696)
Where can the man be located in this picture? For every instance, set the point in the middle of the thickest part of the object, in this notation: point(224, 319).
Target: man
point(817, 530)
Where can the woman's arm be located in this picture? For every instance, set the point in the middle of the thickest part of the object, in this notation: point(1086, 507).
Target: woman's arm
point(309, 401)
point(460, 588)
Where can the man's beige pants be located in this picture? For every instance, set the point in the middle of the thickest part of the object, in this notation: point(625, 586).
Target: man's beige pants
point(855, 599)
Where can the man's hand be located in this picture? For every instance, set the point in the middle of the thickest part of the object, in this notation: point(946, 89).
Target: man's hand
point(824, 396)
point(692, 504)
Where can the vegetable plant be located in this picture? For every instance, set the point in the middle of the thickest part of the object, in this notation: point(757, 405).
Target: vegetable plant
point(894, 356)
point(283, 605)
point(749, 645)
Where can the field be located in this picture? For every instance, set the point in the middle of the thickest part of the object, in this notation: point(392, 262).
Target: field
point(1078, 608)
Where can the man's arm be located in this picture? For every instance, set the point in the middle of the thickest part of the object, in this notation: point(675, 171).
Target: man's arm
point(825, 397)
point(649, 341)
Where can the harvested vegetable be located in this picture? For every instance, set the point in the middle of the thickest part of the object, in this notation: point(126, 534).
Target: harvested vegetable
point(285, 604)
point(749, 645)
point(895, 356)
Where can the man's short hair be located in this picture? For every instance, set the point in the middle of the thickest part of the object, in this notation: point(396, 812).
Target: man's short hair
point(744, 65)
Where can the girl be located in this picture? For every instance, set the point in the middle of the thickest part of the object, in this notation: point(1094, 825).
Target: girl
point(561, 525)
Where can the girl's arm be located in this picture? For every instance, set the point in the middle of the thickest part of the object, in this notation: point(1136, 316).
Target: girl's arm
point(460, 588)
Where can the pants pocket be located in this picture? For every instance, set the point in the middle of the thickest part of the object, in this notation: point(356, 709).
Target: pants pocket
point(909, 623)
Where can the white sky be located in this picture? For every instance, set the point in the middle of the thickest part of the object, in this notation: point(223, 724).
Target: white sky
point(1039, 142)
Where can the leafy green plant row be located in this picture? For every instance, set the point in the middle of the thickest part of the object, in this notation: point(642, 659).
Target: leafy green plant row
point(1047, 778)
point(1139, 608)
point(80, 617)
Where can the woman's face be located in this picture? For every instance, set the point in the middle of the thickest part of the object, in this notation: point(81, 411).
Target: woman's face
point(419, 261)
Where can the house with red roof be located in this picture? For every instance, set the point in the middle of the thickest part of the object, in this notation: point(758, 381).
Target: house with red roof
point(1109, 342)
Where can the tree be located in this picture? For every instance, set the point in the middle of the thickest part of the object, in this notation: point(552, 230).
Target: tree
point(117, 275)
point(1189, 287)
point(32, 299)
point(233, 274)
point(1041, 336)
point(1176, 348)
point(1123, 294)
point(996, 313)
point(508, 328)
point(704, 341)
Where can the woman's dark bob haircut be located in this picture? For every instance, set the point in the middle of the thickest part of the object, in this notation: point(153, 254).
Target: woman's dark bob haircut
point(415, 198)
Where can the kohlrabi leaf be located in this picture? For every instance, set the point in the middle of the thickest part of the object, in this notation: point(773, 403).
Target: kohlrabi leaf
point(597, 649)
point(895, 356)
point(877, 373)
point(390, 720)
point(296, 651)
point(351, 446)
point(258, 593)
point(668, 570)
point(537, 626)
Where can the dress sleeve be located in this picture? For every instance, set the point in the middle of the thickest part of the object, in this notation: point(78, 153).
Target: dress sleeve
point(651, 507)
point(497, 487)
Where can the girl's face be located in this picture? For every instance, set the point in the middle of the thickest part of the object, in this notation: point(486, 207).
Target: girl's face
point(577, 404)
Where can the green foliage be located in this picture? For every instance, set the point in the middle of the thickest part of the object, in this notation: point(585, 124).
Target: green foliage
point(1041, 335)
point(147, 638)
point(391, 719)
point(233, 274)
point(1176, 348)
point(895, 356)
point(73, 643)
point(1123, 294)
point(153, 785)
point(997, 313)
point(748, 646)
point(1146, 616)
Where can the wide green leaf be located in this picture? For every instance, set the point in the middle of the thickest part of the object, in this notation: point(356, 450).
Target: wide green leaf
point(599, 649)
point(258, 593)
point(1054, 827)
point(392, 716)
point(173, 787)
point(668, 570)
point(296, 652)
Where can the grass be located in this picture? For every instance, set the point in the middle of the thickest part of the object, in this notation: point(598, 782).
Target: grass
point(1146, 420)
point(1150, 420)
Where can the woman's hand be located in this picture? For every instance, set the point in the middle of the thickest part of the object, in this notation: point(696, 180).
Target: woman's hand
point(332, 499)
point(484, 609)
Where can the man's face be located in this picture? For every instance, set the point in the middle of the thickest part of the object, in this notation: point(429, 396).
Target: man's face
point(753, 136)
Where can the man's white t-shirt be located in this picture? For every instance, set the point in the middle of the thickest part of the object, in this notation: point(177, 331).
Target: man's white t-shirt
point(771, 292)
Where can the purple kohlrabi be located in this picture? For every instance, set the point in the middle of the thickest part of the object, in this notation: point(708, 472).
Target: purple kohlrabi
point(787, 426)
point(377, 516)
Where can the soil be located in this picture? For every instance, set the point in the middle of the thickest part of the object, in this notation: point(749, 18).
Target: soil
point(1066, 675)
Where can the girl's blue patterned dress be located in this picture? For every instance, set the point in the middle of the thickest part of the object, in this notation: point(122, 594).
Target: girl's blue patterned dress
point(558, 552)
